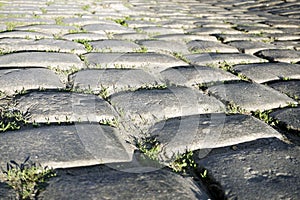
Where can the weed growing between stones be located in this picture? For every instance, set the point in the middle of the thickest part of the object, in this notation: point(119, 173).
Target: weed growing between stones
point(153, 87)
point(27, 178)
point(180, 57)
point(235, 109)
point(110, 122)
point(86, 44)
point(11, 119)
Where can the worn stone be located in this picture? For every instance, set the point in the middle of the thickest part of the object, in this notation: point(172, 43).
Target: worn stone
point(185, 37)
point(146, 107)
point(217, 58)
point(213, 30)
point(13, 80)
point(201, 46)
point(164, 46)
point(41, 59)
point(288, 117)
point(11, 45)
point(264, 72)
point(290, 88)
point(268, 167)
point(75, 145)
point(48, 107)
point(250, 96)
point(280, 55)
point(210, 131)
point(248, 37)
point(250, 47)
point(146, 61)
point(112, 80)
point(131, 36)
point(159, 30)
point(84, 36)
point(48, 28)
point(24, 34)
point(102, 28)
point(107, 183)
point(114, 46)
point(195, 75)
point(257, 29)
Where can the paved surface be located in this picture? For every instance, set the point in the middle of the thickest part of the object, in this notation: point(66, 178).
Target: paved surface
point(194, 75)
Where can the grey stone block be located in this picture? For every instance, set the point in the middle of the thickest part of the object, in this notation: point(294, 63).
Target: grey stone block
point(264, 72)
point(103, 182)
point(48, 28)
point(289, 117)
point(164, 46)
point(202, 46)
point(66, 146)
point(112, 80)
point(280, 55)
point(216, 58)
point(185, 37)
point(114, 46)
point(147, 61)
point(103, 28)
point(268, 168)
point(62, 61)
point(12, 80)
point(250, 96)
point(24, 34)
point(250, 47)
point(290, 88)
point(47, 107)
point(194, 75)
point(210, 131)
point(11, 45)
point(143, 108)
point(85, 36)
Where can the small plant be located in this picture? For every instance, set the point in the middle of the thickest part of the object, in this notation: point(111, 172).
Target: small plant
point(143, 49)
point(27, 178)
point(86, 44)
point(59, 21)
point(121, 22)
point(104, 92)
point(153, 87)
point(180, 56)
point(110, 122)
point(265, 116)
point(11, 119)
point(234, 108)
point(150, 147)
point(183, 162)
point(86, 7)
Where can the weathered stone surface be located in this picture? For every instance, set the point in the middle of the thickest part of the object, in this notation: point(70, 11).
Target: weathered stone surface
point(41, 59)
point(257, 29)
point(159, 30)
point(107, 183)
point(47, 107)
point(131, 36)
point(24, 34)
point(10, 45)
point(146, 61)
point(112, 80)
point(280, 55)
point(212, 30)
point(264, 72)
point(290, 88)
point(65, 146)
point(201, 46)
point(250, 96)
point(114, 46)
point(12, 80)
point(269, 167)
point(85, 36)
point(177, 135)
point(185, 37)
point(103, 28)
point(289, 117)
point(247, 37)
point(216, 58)
point(164, 46)
point(6, 192)
point(145, 107)
point(48, 28)
point(250, 47)
point(194, 75)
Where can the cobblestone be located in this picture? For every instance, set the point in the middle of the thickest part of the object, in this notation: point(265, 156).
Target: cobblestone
point(109, 90)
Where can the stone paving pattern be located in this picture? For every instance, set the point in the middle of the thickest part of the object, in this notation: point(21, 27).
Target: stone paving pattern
point(93, 77)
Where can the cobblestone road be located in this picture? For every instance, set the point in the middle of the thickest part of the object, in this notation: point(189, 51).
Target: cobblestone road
point(110, 93)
